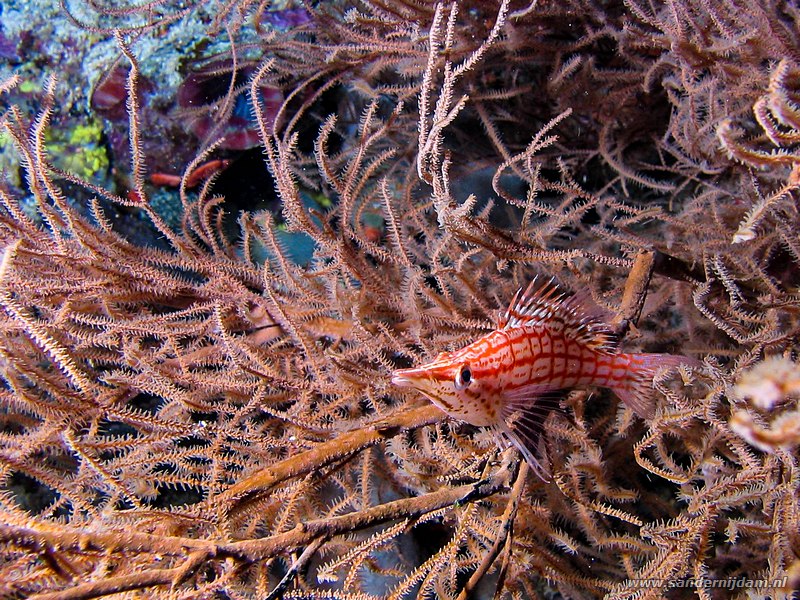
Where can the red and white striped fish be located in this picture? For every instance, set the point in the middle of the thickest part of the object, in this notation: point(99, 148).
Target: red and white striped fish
point(544, 343)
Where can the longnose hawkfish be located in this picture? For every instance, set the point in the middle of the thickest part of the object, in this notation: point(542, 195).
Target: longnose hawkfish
point(545, 342)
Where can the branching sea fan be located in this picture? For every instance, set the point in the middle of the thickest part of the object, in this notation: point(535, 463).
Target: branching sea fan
point(205, 407)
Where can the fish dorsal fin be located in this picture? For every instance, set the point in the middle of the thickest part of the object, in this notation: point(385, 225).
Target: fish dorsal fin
point(576, 316)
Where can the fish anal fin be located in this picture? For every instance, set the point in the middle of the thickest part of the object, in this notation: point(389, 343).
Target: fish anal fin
point(639, 399)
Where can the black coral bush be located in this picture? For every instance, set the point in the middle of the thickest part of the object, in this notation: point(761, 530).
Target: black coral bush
point(207, 417)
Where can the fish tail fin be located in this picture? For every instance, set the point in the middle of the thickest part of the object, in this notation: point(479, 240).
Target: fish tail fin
point(635, 389)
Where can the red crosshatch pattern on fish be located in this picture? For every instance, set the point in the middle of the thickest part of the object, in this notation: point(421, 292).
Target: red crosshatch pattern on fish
point(544, 343)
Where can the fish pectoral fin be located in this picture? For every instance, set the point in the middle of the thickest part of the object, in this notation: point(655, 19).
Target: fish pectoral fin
point(522, 424)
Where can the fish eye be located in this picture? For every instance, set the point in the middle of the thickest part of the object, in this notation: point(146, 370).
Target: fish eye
point(463, 377)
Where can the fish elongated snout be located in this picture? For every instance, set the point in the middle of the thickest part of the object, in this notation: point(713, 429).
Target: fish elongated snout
point(430, 379)
point(403, 378)
point(421, 378)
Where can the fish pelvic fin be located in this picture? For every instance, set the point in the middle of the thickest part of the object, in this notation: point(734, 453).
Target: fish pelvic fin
point(636, 389)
